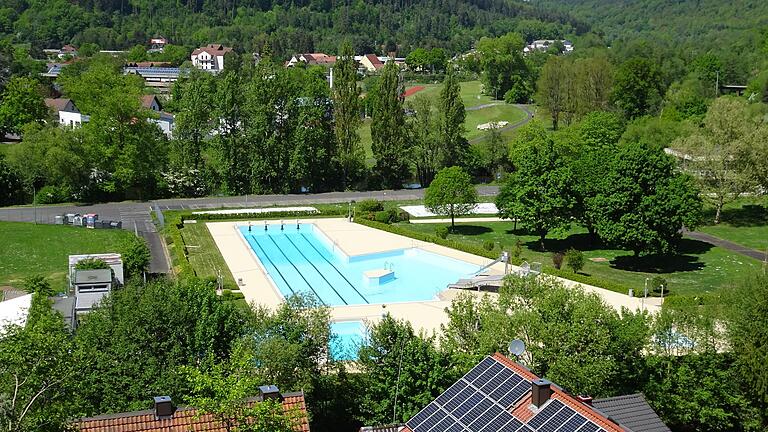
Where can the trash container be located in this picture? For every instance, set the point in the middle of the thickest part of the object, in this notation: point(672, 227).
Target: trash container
point(58, 220)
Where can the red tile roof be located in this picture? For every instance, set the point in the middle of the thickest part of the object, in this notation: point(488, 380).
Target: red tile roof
point(374, 61)
point(183, 420)
point(213, 49)
point(522, 409)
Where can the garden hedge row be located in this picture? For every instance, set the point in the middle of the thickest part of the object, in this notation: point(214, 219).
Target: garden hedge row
point(273, 215)
point(492, 254)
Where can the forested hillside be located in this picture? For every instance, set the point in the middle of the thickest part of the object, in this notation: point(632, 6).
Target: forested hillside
point(727, 28)
point(289, 26)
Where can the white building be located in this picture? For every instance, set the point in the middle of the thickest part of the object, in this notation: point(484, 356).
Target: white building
point(165, 121)
point(66, 112)
point(210, 58)
point(544, 44)
point(14, 312)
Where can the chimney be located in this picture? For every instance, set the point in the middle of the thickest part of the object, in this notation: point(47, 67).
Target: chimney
point(541, 390)
point(164, 408)
point(585, 399)
point(270, 392)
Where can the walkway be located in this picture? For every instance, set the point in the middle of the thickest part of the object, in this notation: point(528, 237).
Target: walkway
point(726, 244)
point(458, 220)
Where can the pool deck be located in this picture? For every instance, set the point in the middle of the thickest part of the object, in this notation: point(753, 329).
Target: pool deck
point(354, 239)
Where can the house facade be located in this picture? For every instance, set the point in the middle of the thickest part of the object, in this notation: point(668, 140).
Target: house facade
point(312, 59)
point(165, 121)
point(65, 112)
point(210, 58)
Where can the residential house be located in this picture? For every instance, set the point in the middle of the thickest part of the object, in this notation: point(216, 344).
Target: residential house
point(632, 411)
point(165, 121)
point(371, 63)
point(67, 51)
point(165, 417)
point(312, 59)
point(157, 44)
point(210, 58)
point(65, 112)
point(501, 395)
point(544, 44)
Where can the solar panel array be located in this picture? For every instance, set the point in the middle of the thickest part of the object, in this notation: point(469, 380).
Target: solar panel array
point(482, 399)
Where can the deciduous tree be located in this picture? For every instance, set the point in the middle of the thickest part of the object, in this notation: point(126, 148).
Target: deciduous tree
point(22, 103)
point(451, 193)
point(540, 192)
point(644, 202)
point(716, 155)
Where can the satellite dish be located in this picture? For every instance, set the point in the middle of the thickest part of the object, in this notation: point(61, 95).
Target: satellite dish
point(516, 347)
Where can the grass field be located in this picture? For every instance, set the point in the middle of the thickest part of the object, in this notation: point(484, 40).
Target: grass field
point(29, 249)
point(203, 254)
point(699, 267)
point(744, 222)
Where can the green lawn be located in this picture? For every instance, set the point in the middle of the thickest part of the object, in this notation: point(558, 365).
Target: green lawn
point(471, 93)
point(203, 254)
point(472, 96)
point(744, 222)
point(509, 113)
point(699, 268)
point(29, 249)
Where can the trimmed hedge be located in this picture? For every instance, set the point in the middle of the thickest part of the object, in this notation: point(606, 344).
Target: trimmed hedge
point(274, 215)
point(178, 250)
point(477, 250)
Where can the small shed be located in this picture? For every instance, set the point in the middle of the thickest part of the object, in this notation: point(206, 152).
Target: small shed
point(90, 287)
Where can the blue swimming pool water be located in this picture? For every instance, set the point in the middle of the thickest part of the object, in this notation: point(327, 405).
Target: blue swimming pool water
point(348, 336)
point(303, 260)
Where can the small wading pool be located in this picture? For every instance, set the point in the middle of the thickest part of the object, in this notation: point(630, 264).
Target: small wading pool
point(348, 336)
point(304, 260)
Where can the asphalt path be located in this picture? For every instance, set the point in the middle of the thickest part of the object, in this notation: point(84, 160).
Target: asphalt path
point(137, 216)
point(726, 244)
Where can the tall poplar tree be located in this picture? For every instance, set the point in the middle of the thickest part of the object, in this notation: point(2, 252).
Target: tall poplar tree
point(452, 122)
point(346, 113)
point(388, 133)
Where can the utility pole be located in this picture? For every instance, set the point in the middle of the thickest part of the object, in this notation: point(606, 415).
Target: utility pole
point(717, 83)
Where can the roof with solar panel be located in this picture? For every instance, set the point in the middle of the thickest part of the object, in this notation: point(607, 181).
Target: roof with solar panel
point(499, 395)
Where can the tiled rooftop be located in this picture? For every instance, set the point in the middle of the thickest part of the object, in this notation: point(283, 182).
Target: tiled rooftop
point(183, 420)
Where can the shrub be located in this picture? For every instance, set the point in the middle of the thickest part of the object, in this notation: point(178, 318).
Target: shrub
point(53, 195)
point(557, 260)
point(442, 232)
point(489, 245)
point(656, 284)
point(136, 256)
point(91, 264)
point(517, 249)
point(38, 284)
point(383, 217)
point(574, 259)
point(370, 206)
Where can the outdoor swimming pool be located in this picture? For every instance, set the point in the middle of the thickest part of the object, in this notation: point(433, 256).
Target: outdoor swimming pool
point(303, 260)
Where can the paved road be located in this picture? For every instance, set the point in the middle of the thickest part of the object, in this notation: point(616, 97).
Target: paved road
point(483, 106)
point(137, 215)
point(731, 246)
point(528, 116)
